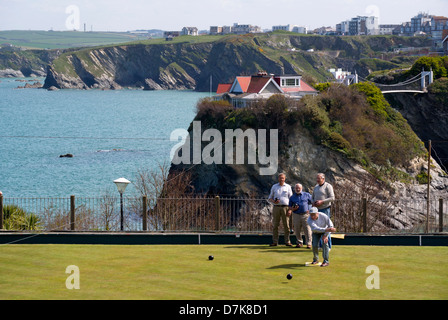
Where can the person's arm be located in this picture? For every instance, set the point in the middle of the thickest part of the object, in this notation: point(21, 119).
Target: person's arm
point(330, 227)
point(271, 195)
point(315, 202)
point(310, 199)
point(290, 193)
point(315, 227)
point(290, 205)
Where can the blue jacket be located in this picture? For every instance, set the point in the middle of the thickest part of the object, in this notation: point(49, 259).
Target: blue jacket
point(303, 200)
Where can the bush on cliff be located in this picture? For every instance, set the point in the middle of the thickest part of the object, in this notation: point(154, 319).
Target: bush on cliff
point(356, 121)
point(438, 65)
point(363, 118)
point(439, 88)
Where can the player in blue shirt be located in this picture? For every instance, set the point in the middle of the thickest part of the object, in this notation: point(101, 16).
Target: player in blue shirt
point(299, 204)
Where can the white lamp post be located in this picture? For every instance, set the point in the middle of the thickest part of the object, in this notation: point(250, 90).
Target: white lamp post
point(121, 184)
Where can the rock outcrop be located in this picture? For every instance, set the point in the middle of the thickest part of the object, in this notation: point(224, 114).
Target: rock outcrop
point(427, 114)
point(26, 63)
point(11, 73)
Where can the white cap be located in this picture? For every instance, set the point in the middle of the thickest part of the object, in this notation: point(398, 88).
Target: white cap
point(313, 210)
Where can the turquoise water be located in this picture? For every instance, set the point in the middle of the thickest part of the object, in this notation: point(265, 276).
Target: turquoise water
point(111, 134)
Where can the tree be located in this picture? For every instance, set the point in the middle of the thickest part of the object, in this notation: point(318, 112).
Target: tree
point(438, 65)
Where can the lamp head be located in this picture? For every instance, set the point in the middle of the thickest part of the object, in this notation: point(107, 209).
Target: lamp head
point(121, 184)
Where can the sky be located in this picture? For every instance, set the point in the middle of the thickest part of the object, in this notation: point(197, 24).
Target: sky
point(113, 15)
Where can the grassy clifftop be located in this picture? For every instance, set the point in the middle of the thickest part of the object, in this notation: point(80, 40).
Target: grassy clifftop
point(193, 60)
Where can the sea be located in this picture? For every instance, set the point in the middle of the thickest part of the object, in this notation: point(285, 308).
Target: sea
point(110, 133)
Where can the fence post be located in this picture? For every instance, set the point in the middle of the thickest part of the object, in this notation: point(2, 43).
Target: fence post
point(440, 215)
point(145, 213)
point(217, 209)
point(428, 198)
point(72, 213)
point(364, 215)
point(1, 211)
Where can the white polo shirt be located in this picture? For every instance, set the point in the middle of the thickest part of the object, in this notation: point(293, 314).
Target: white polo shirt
point(283, 193)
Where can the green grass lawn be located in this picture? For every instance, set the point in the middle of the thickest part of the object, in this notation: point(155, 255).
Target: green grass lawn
point(238, 272)
point(63, 39)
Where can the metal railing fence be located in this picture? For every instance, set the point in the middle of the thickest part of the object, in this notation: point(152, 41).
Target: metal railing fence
point(211, 214)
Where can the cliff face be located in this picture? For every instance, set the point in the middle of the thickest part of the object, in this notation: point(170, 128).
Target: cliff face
point(26, 63)
point(193, 65)
point(158, 67)
point(427, 114)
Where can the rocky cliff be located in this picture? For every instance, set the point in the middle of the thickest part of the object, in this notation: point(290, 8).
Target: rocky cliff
point(427, 114)
point(301, 157)
point(193, 64)
point(27, 63)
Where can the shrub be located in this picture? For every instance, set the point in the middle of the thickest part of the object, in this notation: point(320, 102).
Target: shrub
point(336, 141)
point(315, 118)
point(422, 178)
point(439, 88)
point(439, 66)
point(16, 218)
point(322, 86)
point(358, 117)
point(374, 97)
point(354, 120)
point(212, 112)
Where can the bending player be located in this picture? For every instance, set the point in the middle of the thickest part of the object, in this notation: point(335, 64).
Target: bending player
point(321, 226)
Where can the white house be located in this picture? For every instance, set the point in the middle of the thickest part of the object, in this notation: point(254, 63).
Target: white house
point(290, 28)
point(297, 29)
point(189, 31)
point(287, 27)
point(388, 29)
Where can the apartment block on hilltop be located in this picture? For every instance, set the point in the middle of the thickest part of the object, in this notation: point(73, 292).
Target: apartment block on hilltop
point(438, 25)
point(236, 29)
point(360, 25)
point(245, 90)
point(389, 29)
point(291, 28)
point(425, 24)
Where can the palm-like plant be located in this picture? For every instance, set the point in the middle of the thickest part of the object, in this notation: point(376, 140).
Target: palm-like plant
point(16, 218)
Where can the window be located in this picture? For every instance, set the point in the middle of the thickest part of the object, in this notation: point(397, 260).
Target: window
point(291, 82)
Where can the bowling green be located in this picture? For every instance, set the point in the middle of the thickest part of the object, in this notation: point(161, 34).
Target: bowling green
point(170, 272)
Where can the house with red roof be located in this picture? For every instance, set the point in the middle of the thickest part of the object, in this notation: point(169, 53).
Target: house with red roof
point(248, 89)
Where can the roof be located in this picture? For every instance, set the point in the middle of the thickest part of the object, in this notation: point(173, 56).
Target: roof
point(223, 87)
point(439, 18)
point(257, 83)
point(288, 75)
point(304, 87)
point(244, 82)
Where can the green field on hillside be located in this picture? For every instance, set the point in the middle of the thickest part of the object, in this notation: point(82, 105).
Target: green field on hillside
point(64, 39)
point(238, 272)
